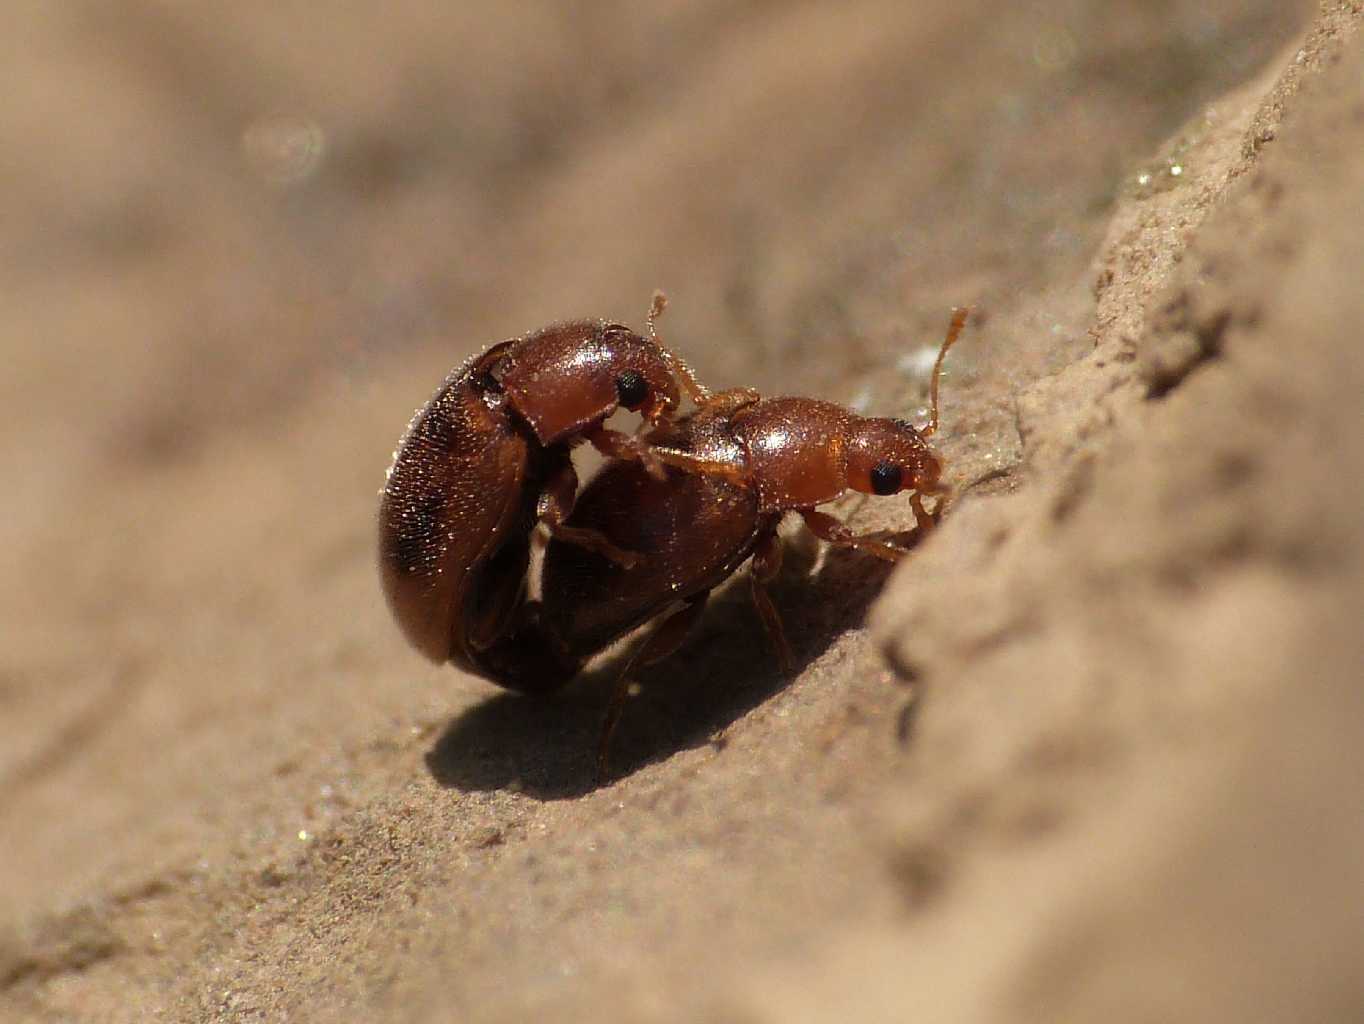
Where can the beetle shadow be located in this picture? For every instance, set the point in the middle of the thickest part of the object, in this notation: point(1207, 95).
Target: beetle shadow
point(546, 746)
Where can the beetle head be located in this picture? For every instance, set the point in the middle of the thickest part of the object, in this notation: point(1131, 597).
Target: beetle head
point(886, 456)
point(567, 377)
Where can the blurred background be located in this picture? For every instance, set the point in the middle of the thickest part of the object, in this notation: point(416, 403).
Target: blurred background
point(274, 228)
point(240, 243)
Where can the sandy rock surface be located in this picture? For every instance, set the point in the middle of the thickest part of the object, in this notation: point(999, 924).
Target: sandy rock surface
point(1090, 753)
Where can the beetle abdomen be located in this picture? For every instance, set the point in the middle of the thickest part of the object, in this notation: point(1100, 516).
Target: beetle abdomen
point(454, 491)
point(692, 531)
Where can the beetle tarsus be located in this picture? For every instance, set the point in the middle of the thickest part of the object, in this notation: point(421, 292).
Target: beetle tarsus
point(826, 527)
point(615, 445)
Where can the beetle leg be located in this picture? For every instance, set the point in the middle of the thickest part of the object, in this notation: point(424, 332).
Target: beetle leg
point(735, 474)
point(729, 401)
point(763, 570)
point(663, 641)
point(826, 527)
point(594, 540)
point(902, 540)
point(615, 445)
point(923, 519)
point(556, 502)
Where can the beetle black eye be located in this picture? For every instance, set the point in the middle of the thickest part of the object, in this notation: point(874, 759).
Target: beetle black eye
point(632, 389)
point(885, 478)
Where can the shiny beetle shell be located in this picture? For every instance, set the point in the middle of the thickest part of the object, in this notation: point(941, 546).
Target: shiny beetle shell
point(464, 491)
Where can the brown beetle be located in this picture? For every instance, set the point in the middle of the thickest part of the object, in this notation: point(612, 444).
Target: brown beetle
point(487, 458)
point(744, 463)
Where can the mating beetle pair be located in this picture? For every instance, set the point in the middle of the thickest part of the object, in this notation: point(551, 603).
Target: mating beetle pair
point(681, 506)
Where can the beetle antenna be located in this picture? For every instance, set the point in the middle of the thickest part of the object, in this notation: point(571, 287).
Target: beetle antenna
point(959, 315)
point(656, 307)
point(695, 390)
